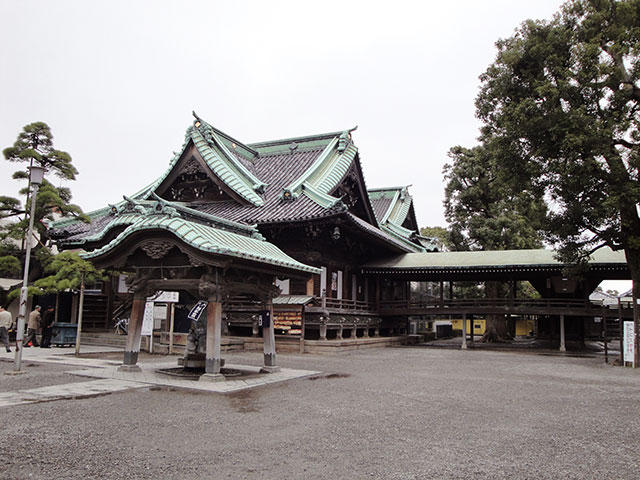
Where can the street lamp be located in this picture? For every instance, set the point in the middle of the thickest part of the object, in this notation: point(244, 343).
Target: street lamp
point(36, 175)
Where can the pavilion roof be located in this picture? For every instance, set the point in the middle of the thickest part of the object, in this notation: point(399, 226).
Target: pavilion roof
point(209, 235)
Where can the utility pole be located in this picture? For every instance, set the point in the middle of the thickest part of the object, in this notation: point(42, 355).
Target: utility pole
point(35, 178)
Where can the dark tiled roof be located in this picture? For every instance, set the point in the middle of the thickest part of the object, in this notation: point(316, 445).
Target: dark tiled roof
point(380, 206)
point(80, 229)
point(276, 171)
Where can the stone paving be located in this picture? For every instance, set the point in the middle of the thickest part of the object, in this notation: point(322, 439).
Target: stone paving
point(66, 391)
point(111, 379)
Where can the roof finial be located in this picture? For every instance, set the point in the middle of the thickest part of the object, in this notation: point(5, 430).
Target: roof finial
point(198, 121)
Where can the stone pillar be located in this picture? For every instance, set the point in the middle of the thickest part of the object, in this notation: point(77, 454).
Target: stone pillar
point(213, 357)
point(563, 347)
point(254, 328)
point(376, 332)
point(339, 334)
point(464, 331)
point(366, 331)
point(269, 345)
point(323, 331)
point(132, 347)
point(354, 332)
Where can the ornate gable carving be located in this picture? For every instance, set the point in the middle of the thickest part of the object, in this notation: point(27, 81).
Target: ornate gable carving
point(193, 184)
point(350, 189)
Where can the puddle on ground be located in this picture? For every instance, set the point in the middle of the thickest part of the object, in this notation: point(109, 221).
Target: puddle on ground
point(328, 376)
point(244, 401)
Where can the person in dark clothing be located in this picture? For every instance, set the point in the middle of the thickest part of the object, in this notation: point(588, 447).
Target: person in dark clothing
point(47, 321)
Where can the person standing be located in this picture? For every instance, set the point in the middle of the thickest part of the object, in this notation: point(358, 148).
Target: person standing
point(47, 321)
point(6, 320)
point(32, 327)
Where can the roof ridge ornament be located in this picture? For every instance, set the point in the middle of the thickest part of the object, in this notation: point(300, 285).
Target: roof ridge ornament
point(198, 121)
point(163, 207)
point(132, 206)
point(345, 138)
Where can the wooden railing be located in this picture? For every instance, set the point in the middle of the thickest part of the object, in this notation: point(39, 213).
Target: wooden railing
point(345, 304)
point(436, 306)
point(486, 303)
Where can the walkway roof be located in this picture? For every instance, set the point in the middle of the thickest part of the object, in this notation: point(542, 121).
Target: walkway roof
point(484, 262)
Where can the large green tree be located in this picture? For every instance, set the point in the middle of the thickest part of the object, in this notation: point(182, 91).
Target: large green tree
point(562, 101)
point(482, 209)
point(485, 212)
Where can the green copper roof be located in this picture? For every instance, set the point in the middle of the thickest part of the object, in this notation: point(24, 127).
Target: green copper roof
point(292, 300)
point(224, 164)
point(328, 169)
point(403, 236)
point(129, 211)
point(207, 239)
point(213, 147)
point(487, 259)
point(396, 203)
point(400, 203)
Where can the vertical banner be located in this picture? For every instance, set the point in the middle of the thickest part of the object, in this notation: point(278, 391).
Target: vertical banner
point(147, 319)
point(628, 343)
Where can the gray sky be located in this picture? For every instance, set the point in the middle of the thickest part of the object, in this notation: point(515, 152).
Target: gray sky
point(117, 81)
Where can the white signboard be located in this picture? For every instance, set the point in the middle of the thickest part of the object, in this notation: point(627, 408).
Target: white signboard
point(122, 284)
point(628, 342)
point(165, 297)
point(147, 319)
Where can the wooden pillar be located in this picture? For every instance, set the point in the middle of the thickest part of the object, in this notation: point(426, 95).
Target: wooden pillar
point(472, 322)
point(309, 289)
point(213, 356)
point(563, 347)
point(464, 331)
point(132, 347)
point(269, 344)
point(441, 294)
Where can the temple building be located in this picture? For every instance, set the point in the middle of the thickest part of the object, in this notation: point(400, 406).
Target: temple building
point(296, 211)
point(282, 241)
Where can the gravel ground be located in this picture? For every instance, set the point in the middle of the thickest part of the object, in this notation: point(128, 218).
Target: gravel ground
point(35, 375)
point(395, 413)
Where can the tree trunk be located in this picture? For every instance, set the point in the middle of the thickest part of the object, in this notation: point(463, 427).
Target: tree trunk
point(496, 325)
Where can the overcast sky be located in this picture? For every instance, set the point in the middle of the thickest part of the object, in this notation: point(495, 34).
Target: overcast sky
point(117, 81)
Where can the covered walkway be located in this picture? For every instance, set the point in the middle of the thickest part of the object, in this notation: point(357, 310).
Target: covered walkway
point(563, 288)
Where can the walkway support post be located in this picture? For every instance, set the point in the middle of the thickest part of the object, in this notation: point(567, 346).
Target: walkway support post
point(563, 346)
point(464, 332)
point(605, 333)
point(80, 314)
